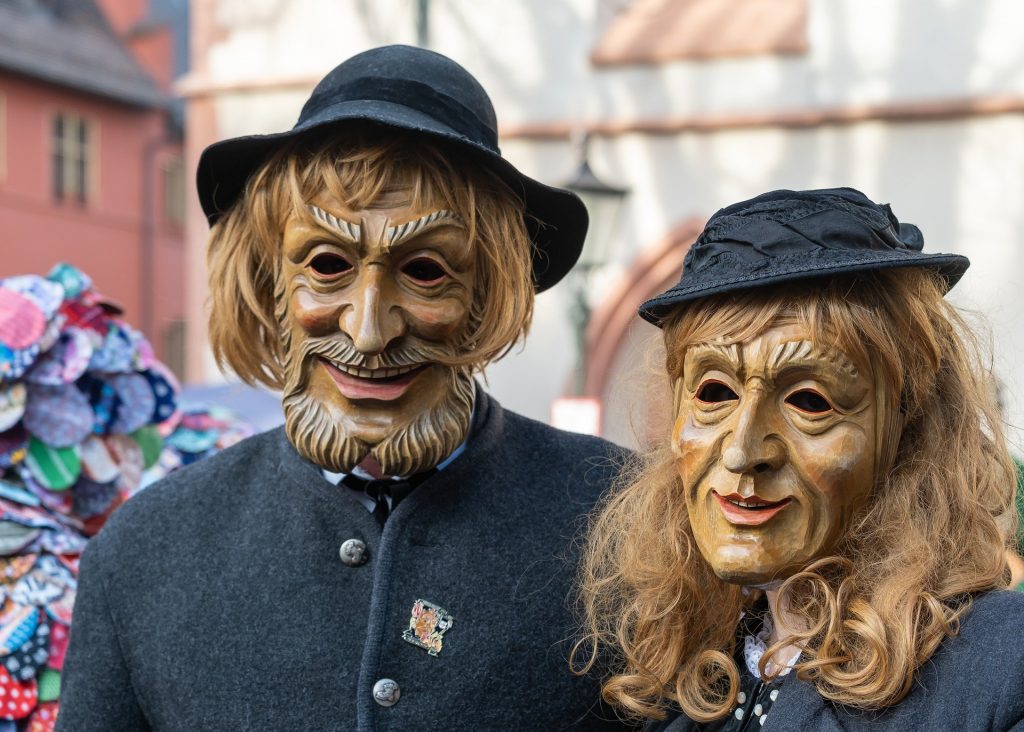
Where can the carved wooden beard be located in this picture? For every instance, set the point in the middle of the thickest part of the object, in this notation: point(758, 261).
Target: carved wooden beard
point(374, 306)
point(415, 442)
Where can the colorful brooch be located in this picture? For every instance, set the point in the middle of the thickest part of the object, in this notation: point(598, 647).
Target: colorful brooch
point(427, 626)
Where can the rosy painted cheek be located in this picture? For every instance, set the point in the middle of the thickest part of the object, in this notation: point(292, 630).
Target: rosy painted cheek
point(437, 322)
point(312, 315)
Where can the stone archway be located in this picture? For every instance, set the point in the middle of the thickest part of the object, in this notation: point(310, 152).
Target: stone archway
point(656, 269)
point(615, 336)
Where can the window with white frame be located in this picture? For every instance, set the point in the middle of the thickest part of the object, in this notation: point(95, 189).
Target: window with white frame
point(73, 156)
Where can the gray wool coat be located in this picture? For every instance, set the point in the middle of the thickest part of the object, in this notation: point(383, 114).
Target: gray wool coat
point(217, 600)
point(973, 683)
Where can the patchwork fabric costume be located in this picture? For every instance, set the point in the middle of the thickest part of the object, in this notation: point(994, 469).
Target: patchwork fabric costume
point(88, 417)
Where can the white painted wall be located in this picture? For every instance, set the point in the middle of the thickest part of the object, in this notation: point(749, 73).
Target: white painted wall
point(961, 181)
point(532, 55)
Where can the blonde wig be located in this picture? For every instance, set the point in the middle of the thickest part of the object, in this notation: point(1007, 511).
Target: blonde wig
point(933, 532)
point(357, 166)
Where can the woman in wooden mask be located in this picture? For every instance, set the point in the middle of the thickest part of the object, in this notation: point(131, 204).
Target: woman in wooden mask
point(820, 542)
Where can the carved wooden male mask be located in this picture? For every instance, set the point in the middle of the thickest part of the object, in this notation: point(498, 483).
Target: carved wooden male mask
point(777, 444)
point(373, 304)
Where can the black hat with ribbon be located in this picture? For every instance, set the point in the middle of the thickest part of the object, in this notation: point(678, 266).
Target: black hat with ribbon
point(412, 89)
point(784, 236)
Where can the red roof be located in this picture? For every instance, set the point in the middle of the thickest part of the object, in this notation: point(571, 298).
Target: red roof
point(68, 42)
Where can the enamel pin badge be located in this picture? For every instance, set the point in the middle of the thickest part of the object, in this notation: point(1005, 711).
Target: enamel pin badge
point(427, 626)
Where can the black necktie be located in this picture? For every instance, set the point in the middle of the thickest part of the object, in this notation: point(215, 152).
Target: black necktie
point(379, 490)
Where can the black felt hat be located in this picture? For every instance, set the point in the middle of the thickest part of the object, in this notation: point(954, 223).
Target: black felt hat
point(783, 236)
point(412, 89)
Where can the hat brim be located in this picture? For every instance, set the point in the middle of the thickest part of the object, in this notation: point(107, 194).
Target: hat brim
point(556, 219)
point(950, 267)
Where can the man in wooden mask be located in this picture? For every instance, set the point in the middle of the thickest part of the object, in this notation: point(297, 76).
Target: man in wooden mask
point(394, 558)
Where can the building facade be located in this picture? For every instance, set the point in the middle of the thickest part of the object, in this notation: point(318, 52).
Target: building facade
point(692, 105)
point(91, 168)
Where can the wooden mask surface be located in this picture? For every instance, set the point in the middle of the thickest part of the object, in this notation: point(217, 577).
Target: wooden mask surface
point(777, 444)
point(372, 306)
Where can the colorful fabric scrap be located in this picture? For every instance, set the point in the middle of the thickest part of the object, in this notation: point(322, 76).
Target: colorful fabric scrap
point(88, 418)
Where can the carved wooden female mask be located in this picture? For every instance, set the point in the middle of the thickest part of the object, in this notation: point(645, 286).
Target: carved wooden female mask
point(372, 306)
point(777, 445)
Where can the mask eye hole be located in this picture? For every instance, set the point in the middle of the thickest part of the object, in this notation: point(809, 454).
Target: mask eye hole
point(715, 392)
point(424, 271)
point(809, 401)
point(330, 265)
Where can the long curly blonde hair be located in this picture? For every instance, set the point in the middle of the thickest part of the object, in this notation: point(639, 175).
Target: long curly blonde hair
point(934, 531)
point(356, 164)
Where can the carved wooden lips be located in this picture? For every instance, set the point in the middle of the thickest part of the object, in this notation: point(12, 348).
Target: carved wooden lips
point(750, 510)
point(383, 384)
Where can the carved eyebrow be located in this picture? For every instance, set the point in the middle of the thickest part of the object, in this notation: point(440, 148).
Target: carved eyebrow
point(406, 231)
point(729, 351)
point(348, 230)
point(710, 354)
point(806, 350)
point(396, 234)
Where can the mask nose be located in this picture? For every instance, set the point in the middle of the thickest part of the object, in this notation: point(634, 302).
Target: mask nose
point(752, 448)
point(370, 320)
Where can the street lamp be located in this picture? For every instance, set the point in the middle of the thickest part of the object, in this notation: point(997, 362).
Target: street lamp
point(604, 203)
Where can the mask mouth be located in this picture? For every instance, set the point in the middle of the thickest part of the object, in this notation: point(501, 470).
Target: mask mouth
point(390, 374)
point(386, 384)
point(749, 510)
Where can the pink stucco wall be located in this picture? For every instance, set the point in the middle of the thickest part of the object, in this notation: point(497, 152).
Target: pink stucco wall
point(106, 236)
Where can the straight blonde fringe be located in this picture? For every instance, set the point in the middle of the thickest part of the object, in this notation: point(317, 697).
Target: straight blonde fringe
point(243, 254)
point(663, 627)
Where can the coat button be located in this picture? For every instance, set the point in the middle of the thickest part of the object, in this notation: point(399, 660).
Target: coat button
point(353, 553)
point(386, 692)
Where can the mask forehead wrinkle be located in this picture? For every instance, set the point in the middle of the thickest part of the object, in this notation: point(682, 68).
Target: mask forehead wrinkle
point(403, 232)
point(789, 352)
point(702, 355)
point(349, 231)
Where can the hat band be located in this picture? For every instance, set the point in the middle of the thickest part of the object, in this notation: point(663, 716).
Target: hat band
point(411, 94)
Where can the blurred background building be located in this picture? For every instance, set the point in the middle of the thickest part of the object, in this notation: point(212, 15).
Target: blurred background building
point(91, 168)
point(688, 105)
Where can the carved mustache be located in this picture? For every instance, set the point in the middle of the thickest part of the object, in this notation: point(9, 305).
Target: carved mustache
point(410, 352)
point(338, 349)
